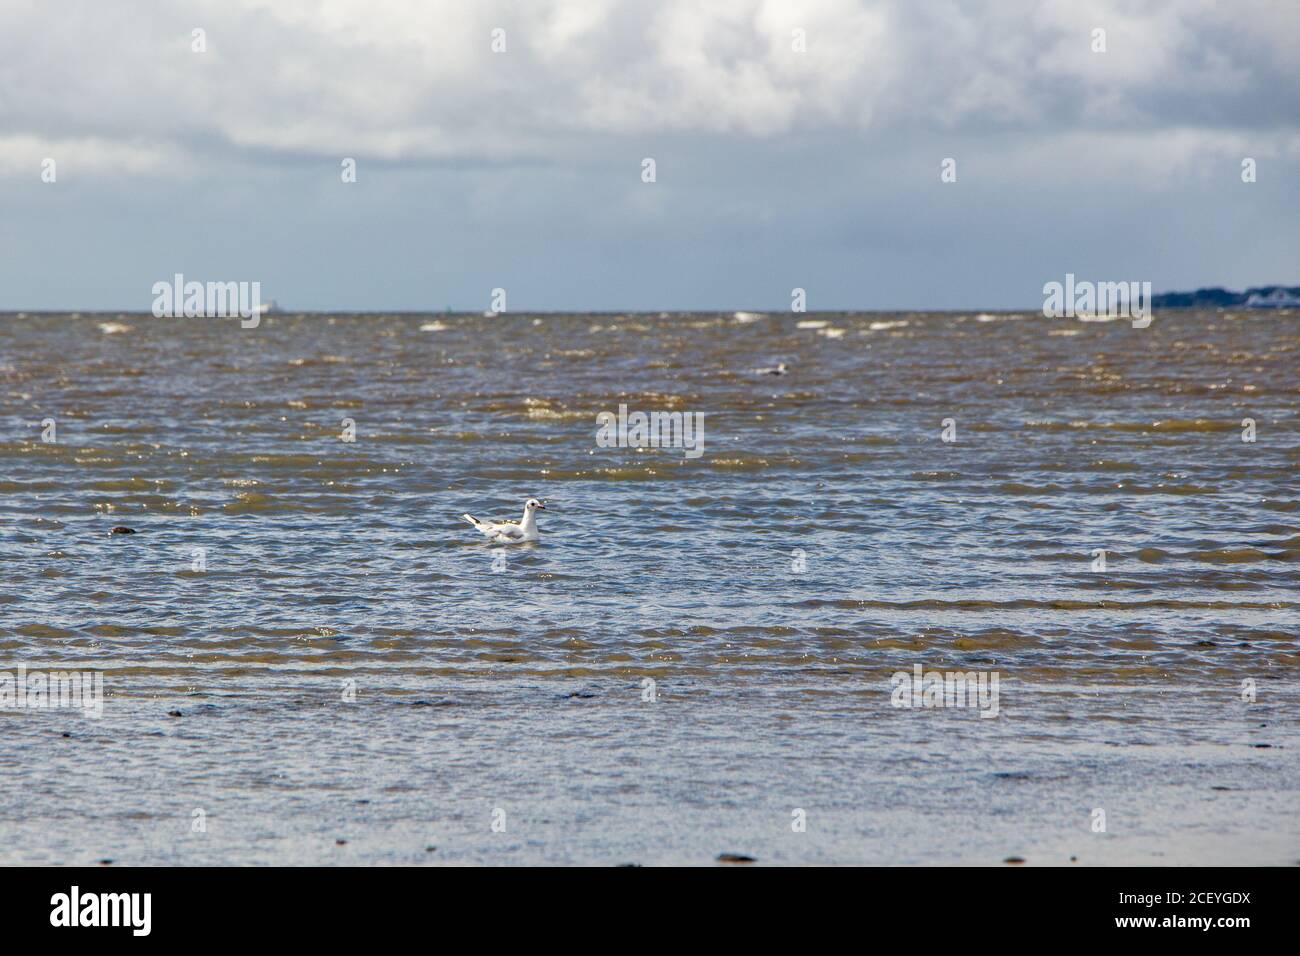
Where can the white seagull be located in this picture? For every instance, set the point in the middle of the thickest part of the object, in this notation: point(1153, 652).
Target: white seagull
point(510, 532)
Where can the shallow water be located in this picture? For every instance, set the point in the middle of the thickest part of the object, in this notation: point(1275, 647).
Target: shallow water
point(827, 537)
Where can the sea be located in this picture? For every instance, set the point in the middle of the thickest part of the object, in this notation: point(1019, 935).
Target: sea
point(305, 655)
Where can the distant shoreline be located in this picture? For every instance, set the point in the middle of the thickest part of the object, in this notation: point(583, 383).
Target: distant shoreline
point(1260, 297)
point(1213, 297)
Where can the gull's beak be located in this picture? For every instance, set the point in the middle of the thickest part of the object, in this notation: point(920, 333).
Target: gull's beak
point(541, 506)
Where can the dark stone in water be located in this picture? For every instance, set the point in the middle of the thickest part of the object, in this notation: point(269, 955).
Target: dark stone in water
point(174, 713)
point(340, 842)
point(430, 849)
point(122, 530)
point(105, 862)
point(626, 865)
point(1016, 859)
point(1262, 746)
point(735, 858)
point(580, 695)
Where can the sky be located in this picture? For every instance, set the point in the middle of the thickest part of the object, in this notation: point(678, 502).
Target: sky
point(796, 144)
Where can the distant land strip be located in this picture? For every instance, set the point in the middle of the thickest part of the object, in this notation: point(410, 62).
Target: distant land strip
point(1263, 297)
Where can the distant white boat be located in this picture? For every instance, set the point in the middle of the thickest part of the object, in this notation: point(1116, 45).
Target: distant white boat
point(1277, 299)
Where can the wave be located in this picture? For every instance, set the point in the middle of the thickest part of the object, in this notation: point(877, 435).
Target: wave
point(1160, 425)
point(1055, 604)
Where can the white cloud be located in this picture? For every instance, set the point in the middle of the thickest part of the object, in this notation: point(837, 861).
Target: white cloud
point(75, 157)
point(415, 80)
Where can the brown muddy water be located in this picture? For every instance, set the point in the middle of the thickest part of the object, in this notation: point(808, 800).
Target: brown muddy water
point(305, 644)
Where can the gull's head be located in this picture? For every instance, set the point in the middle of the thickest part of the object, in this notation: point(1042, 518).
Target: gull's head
point(534, 505)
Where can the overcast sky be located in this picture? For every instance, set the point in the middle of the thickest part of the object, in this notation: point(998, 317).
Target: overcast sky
point(775, 168)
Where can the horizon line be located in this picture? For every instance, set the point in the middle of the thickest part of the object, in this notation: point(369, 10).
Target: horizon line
point(641, 311)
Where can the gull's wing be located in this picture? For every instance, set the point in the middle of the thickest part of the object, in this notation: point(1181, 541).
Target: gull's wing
point(506, 531)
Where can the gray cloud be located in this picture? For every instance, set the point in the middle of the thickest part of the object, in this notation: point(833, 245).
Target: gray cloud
point(480, 169)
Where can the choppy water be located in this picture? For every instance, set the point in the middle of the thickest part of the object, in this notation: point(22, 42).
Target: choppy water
point(522, 688)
